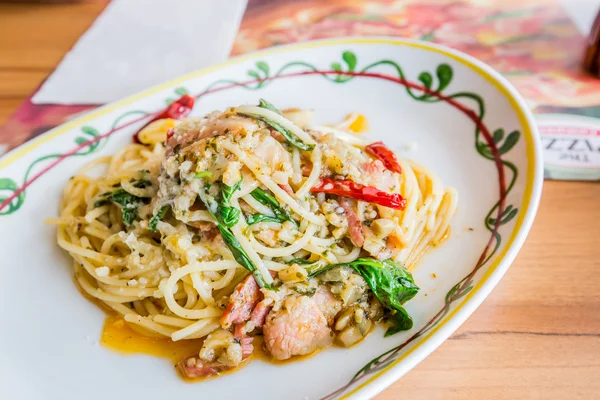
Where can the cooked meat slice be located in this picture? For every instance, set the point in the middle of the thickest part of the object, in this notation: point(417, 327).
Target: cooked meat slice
point(214, 124)
point(297, 328)
point(241, 302)
point(379, 176)
point(247, 347)
point(327, 303)
point(259, 314)
point(354, 224)
point(193, 367)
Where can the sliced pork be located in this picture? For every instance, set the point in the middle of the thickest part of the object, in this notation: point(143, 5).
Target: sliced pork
point(297, 328)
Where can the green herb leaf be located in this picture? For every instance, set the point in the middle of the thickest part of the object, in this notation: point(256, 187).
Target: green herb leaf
point(264, 198)
point(129, 215)
point(256, 218)
point(160, 215)
point(390, 282)
point(234, 246)
point(399, 322)
point(262, 103)
point(228, 191)
point(270, 201)
point(122, 197)
point(228, 215)
point(221, 209)
point(203, 174)
point(287, 134)
point(240, 255)
point(128, 202)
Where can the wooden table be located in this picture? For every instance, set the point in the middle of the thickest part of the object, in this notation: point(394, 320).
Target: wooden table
point(537, 336)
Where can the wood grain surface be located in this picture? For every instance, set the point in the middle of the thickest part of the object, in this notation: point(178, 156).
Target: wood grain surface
point(537, 336)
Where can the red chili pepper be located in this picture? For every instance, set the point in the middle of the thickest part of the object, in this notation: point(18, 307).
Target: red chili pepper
point(387, 157)
point(370, 194)
point(176, 110)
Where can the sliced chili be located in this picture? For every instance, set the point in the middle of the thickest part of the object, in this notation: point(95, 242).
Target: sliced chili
point(387, 156)
point(178, 109)
point(357, 191)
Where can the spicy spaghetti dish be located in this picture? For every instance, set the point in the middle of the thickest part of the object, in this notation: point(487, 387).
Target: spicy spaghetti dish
point(251, 222)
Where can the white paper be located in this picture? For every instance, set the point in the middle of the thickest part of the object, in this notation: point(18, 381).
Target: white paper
point(135, 44)
point(582, 12)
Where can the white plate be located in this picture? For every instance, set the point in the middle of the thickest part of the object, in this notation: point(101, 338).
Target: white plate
point(49, 337)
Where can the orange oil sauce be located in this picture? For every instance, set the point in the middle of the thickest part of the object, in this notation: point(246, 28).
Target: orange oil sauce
point(119, 336)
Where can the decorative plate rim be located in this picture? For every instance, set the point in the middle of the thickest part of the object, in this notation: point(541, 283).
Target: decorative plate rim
point(531, 196)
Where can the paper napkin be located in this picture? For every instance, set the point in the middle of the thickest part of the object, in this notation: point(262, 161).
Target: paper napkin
point(135, 44)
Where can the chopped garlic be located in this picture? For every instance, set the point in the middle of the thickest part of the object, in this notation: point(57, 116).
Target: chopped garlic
point(232, 174)
point(102, 271)
point(293, 273)
point(383, 227)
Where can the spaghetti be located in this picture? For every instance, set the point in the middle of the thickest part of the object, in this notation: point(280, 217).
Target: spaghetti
point(203, 231)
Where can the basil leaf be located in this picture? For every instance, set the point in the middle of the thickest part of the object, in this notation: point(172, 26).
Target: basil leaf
point(262, 103)
point(256, 218)
point(264, 198)
point(228, 215)
point(154, 220)
point(286, 133)
point(399, 322)
point(390, 282)
point(234, 246)
point(129, 204)
point(268, 200)
point(227, 192)
point(224, 212)
point(240, 255)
